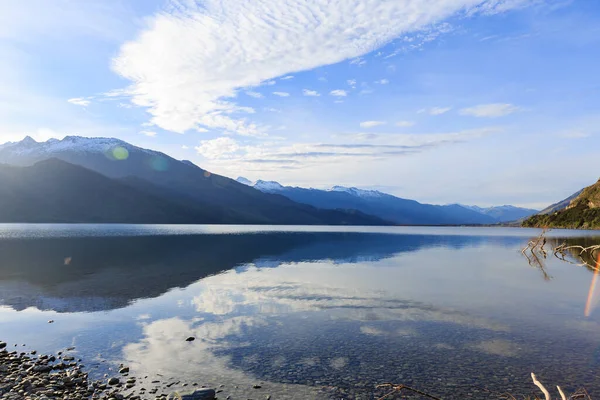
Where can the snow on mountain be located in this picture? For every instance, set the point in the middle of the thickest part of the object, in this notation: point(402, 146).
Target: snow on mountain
point(263, 186)
point(272, 186)
point(268, 186)
point(357, 192)
point(29, 146)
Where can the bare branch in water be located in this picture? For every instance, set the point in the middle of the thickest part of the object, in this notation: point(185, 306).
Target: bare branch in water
point(536, 253)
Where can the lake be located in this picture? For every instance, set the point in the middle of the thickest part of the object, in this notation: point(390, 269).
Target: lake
point(305, 312)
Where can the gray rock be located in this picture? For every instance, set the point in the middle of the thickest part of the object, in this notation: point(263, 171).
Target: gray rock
point(124, 370)
point(199, 394)
point(2, 345)
point(113, 381)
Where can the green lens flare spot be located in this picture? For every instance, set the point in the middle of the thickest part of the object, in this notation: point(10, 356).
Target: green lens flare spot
point(120, 153)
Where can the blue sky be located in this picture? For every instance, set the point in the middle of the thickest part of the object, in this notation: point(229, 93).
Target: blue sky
point(483, 102)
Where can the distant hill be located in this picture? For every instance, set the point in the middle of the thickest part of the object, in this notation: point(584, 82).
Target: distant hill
point(506, 213)
point(166, 190)
point(386, 206)
point(580, 211)
point(561, 205)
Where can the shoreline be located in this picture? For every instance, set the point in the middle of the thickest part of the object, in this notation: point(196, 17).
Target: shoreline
point(33, 376)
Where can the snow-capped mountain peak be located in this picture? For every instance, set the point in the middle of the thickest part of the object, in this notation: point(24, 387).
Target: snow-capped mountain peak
point(263, 186)
point(28, 140)
point(356, 192)
point(268, 186)
point(29, 146)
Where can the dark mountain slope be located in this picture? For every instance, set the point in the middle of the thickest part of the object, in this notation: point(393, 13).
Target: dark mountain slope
point(56, 191)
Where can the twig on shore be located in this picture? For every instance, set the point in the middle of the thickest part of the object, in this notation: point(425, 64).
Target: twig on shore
point(398, 388)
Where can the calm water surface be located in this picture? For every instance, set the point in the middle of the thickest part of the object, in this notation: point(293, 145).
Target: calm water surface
point(308, 312)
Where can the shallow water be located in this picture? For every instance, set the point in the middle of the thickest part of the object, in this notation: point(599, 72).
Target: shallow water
point(308, 312)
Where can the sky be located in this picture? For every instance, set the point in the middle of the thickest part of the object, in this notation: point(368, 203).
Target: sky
point(484, 102)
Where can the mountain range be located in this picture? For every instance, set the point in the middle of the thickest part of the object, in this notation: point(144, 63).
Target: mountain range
point(104, 180)
point(79, 179)
point(392, 208)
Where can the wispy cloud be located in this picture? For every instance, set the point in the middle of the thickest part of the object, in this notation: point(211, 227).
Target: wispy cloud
point(490, 110)
point(312, 93)
point(148, 133)
point(382, 82)
point(360, 146)
point(256, 95)
point(339, 93)
point(193, 82)
point(288, 77)
point(80, 101)
point(351, 83)
point(405, 124)
point(371, 124)
point(358, 61)
point(281, 94)
point(438, 110)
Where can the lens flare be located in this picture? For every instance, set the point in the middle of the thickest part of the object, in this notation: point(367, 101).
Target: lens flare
point(588, 304)
point(120, 153)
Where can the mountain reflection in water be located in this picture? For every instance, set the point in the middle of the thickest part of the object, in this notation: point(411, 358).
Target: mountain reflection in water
point(441, 310)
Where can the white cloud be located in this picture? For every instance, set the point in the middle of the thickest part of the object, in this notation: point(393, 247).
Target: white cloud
point(371, 124)
point(184, 147)
point(312, 93)
point(256, 95)
point(358, 61)
point(281, 94)
point(382, 82)
point(222, 147)
point(339, 93)
point(190, 61)
point(148, 133)
point(270, 83)
point(288, 77)
point(439, 110)
point(490, 110)
point(80, 101)
point(405, 124)
point(351, 83)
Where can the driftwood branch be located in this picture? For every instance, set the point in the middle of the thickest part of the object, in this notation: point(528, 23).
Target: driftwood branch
point(539, 385)
point(562, 394)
